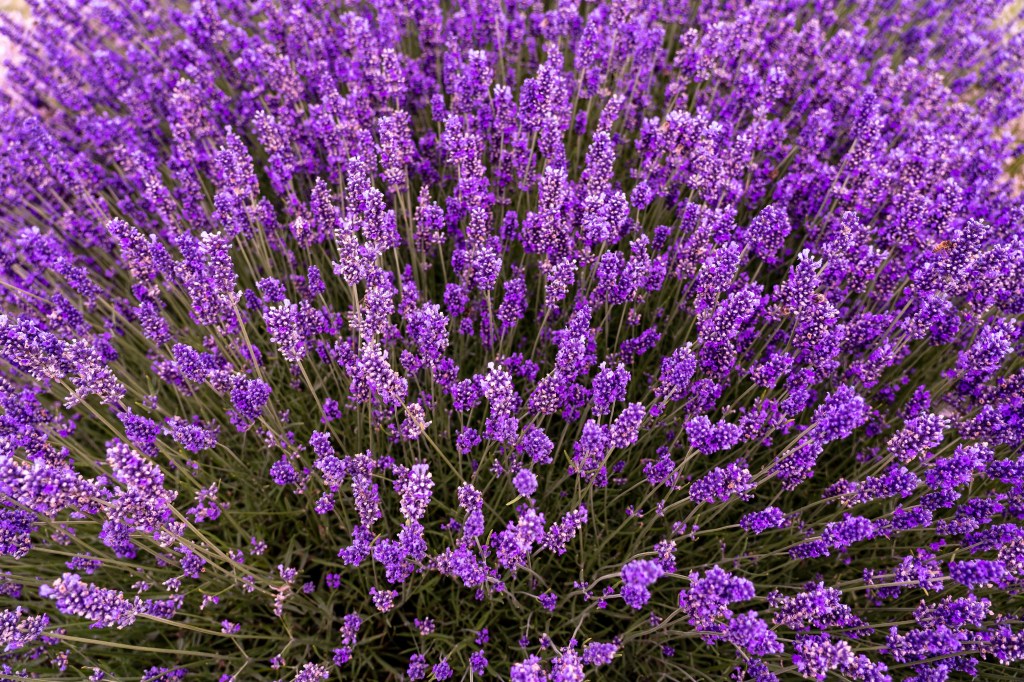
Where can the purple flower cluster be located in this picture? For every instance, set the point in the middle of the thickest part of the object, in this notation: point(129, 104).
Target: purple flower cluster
point(538, 341)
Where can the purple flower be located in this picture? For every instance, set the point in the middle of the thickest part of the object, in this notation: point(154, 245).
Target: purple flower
point(977, 572)
point(525, 482)
point(760, 521)
point(818, 654)
point(312, 672)
point(103, 607)
point(415, 487)
point(637, 576)
point(568, 667)
point(721, 483)
point(249, 396)
point(529, 670)
point(768, 231)
point(478, 662)
point(708, 438)
point(706, 602)
point(599, 653)
point(18, 629)
point(15, 532)
point(194, 437)
point(417, 669)
point(559, 534)
point(442, 671)
point(384, 600)
point(470, 310)
point(609, 387)
point(750, 633)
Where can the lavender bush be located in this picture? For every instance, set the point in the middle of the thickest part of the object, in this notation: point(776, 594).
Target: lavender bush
point(512, 340)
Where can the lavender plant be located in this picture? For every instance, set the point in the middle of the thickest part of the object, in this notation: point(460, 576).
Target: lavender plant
point(513, 340)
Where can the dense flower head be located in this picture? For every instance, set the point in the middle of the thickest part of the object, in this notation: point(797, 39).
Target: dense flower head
point(707, 600)
point(529, 341)
point(637, 576)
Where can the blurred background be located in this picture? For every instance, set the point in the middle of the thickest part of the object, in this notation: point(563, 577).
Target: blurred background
point(17, 9)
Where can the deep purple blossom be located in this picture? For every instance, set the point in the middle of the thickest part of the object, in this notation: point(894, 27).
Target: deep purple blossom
point(463, 339)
